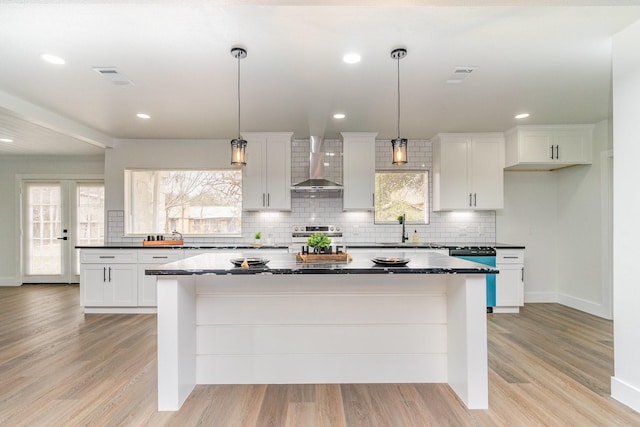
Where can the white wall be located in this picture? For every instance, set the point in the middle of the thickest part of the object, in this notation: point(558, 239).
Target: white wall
point(625, 384)
point(10, 166)
point(579, 238)
point(529, 217)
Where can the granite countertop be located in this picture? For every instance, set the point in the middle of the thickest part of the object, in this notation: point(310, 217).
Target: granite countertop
point(220, 264)
point(189, 245)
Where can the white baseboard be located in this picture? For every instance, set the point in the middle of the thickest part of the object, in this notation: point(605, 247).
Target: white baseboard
point(540, 297)
point(512, 310)
point(120, 310)
point(597, 309)
point(625, 393)
point(10, 281)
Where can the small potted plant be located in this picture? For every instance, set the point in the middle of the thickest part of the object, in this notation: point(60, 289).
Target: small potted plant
point(257, 237)
point(319, 242)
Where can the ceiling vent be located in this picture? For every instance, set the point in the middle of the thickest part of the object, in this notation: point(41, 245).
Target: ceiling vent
point(113, 75)
point(460, 74)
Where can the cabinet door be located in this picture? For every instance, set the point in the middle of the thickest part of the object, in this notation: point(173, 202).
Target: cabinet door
point(254, 176)
point(454, 191)
point(278, 174)
point(487, 172)
point(93, 280)
point(535, 146)
point(122, 290)
point(359, 157)
point(108, 285)
point(572, 147)
point(509, 286)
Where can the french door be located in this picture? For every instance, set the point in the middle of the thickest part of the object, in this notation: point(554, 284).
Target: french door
point(57, 215)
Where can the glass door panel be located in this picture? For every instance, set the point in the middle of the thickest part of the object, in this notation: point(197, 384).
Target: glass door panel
point(57, 216)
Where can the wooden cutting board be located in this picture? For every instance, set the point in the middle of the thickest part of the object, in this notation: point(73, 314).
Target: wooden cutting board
point(162, 242)
point(323, 257)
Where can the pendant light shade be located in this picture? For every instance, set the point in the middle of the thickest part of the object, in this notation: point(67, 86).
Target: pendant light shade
point(399, 145)
point(238, 145)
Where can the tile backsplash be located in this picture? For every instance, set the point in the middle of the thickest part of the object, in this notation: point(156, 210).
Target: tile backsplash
point(444, 227)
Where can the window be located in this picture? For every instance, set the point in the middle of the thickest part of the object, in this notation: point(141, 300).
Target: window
point(402, 192)
point(192, 202)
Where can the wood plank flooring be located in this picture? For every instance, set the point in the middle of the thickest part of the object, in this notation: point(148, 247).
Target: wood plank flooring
point(549, 366)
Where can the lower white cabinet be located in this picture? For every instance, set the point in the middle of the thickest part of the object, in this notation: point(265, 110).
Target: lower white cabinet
point(147, 291)
point(510, 281)
point(108, 278)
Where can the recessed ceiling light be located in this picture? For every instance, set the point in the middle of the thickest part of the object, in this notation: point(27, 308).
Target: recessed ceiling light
point(6, 140)
point(351, 58)
point(143, 116)
point(339, 116)
point(52, 59)
point(522, 116)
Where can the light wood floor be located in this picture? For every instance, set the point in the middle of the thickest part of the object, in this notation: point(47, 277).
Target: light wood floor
point(549, 365)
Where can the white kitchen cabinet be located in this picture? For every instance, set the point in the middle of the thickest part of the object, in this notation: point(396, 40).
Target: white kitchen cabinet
point(266, 179)
point(149, 258)
point(468, 171)
point(108, 278)
point(548, 147)
point(359, 160)
point(510, 281)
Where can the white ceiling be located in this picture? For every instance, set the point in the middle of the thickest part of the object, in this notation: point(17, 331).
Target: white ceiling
point(553, 62)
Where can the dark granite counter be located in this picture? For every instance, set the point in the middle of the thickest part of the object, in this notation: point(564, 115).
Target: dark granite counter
point(195, 245)
point(220, 264)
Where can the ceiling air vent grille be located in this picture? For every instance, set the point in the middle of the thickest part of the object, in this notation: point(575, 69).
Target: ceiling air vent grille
point(113, 75)
point(460, 74)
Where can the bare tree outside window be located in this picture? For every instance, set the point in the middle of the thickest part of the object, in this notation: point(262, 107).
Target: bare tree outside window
point(398, 193)
point(196, 202)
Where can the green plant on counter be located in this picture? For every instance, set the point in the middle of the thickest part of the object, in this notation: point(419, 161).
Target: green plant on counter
point(400, 219)
point(258, 235)
point(319, 240)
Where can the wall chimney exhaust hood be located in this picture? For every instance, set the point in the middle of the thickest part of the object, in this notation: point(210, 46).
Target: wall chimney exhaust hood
point(316, 181)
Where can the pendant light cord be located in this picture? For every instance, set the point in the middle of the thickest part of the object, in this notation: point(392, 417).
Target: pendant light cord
point(398, 60)
point(238, 57)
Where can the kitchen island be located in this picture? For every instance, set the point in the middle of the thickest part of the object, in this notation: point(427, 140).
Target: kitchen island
point(322, 322)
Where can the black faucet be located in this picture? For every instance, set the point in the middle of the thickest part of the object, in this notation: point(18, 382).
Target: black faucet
point(404, 233)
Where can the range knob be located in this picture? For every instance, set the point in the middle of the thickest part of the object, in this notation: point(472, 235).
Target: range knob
point(338, 229)
point(332, 228)
point(295, 228)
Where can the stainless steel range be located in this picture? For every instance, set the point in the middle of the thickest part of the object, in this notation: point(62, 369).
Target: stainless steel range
point(300, 234)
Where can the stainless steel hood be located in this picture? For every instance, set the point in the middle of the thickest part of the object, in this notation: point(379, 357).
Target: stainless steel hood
point(316, 181)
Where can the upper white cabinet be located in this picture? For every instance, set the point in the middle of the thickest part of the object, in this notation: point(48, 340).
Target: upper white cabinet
point(548, 147)
point(359, 166)
point(468, 171)
point(266, 179)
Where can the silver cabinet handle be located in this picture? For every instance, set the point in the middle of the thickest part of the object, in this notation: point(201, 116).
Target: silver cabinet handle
point(373, 199)
point(522, 275)
point(510, 257)
point(470, 199)
point(475, 199)
point(107, 256)
point(268, 199)
point(263, 199)
point(557, 152)
point(104, 274)
point(160, 257)
point(552, 152)
point(109, 274)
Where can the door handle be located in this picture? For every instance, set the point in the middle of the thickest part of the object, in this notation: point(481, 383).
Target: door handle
point(63, 238)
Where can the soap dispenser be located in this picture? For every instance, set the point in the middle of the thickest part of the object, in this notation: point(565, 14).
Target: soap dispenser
point(414, 238)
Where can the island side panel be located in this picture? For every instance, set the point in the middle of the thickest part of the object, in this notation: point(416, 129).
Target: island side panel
point(467, 339)
point(321, 328)
point(176, 340)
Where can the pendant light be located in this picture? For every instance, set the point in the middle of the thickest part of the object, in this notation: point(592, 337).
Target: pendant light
point(238, 145)
point(399, 145)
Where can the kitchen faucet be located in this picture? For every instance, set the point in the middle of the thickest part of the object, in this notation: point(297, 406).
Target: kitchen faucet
point(404, 233)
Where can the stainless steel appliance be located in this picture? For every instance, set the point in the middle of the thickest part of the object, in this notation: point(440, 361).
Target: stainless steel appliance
point(482, 255)
point(300, 234)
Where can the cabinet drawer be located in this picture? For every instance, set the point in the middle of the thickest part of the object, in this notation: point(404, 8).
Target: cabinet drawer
point(509, 257)
point(110, 256)
point(156, 256)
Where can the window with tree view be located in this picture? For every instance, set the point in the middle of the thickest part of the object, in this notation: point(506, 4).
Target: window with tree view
point(402, 192)
point(192, 202)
